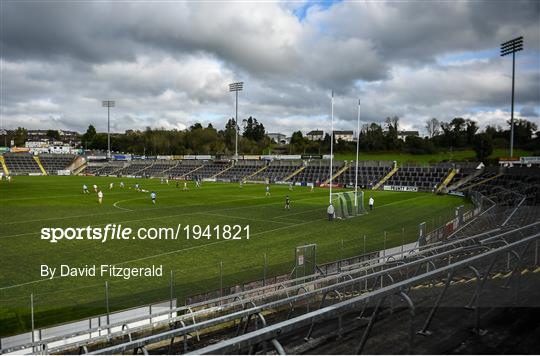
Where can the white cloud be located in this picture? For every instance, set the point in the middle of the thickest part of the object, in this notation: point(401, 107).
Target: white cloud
point(168, 64)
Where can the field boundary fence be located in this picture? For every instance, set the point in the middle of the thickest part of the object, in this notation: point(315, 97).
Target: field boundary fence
point(94, 326)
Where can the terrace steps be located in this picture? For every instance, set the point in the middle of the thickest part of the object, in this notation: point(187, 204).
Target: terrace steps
point(139, 171)
point(77, 165)
point(447, 180)
point(38, 161)
point(172, 167)
point(338, 173)
point(256, 172)
point(4, 166)
point(223, 171)
point(465, 180)
point(386, 177)
point(485, 180)
point(193, 170)
point(294, 173)
point(79, 169)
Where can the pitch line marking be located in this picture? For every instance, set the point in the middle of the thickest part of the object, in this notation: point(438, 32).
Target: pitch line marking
point(252, 197)
point(167, 188)
point(172, 216)
point(187, 214)
point(120, 212)
point(189, 248)
point(121, 201)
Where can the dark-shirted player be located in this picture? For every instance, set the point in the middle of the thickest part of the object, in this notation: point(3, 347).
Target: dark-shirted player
point(287, 203)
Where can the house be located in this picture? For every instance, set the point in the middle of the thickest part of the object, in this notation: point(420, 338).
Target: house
point(402, 135)
point(344, 135)
point(315, 135)
point(279, 138)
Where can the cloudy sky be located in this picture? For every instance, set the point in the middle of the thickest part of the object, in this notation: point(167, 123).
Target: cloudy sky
point(168, 63)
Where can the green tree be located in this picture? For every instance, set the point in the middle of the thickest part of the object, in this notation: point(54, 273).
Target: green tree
point(470, 129)
point(483, 146)
point(21, 136)
point(53, 135)
point(523, 132)
point(297, 138)
point(253, 130)
point(88, 137)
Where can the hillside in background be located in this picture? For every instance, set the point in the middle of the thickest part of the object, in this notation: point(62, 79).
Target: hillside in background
point(448, 156)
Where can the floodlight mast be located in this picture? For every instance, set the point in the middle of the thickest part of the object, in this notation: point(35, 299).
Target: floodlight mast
point(511, 47)
point(236, 87)
point(357, 149)
point(108, 104)
point(331, 147)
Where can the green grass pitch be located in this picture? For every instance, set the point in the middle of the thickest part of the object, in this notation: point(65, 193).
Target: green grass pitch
point(29, 204)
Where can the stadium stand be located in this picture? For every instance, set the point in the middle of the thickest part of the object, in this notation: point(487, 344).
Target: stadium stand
point(369, 174)
point(486, 174)
point(21, 164)
point(159, 168)
point(316, 172)
point(111, 169)
point(55, 162)
point(210, 169)
point(183, 168)
point(240, 170)
point(277, 171)
point(134, 168)
point(425, 179)
point(521, 181)
point(464, 171)
point(93, 168)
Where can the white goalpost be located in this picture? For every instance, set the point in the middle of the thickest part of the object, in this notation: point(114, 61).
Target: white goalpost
point(351, 203)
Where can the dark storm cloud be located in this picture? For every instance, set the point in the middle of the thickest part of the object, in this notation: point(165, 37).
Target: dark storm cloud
point(55, 30)
point(169, 62)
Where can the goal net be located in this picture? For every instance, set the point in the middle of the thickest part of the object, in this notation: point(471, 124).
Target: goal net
point(348, 204)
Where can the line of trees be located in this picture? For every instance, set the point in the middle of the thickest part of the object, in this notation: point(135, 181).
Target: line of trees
point(194, 140)
point(457, 134)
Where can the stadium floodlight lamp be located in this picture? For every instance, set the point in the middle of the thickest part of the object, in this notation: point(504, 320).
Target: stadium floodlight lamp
point(108, 104)
point(511, 47)
point(236, 87)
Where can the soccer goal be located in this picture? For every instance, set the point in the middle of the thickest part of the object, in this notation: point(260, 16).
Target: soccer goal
point(348, 204)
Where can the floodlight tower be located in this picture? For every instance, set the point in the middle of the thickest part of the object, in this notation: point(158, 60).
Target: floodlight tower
point(512, 47)
point(357, 149)
point(331, 147)
point(236, 87)
point(108, 104)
